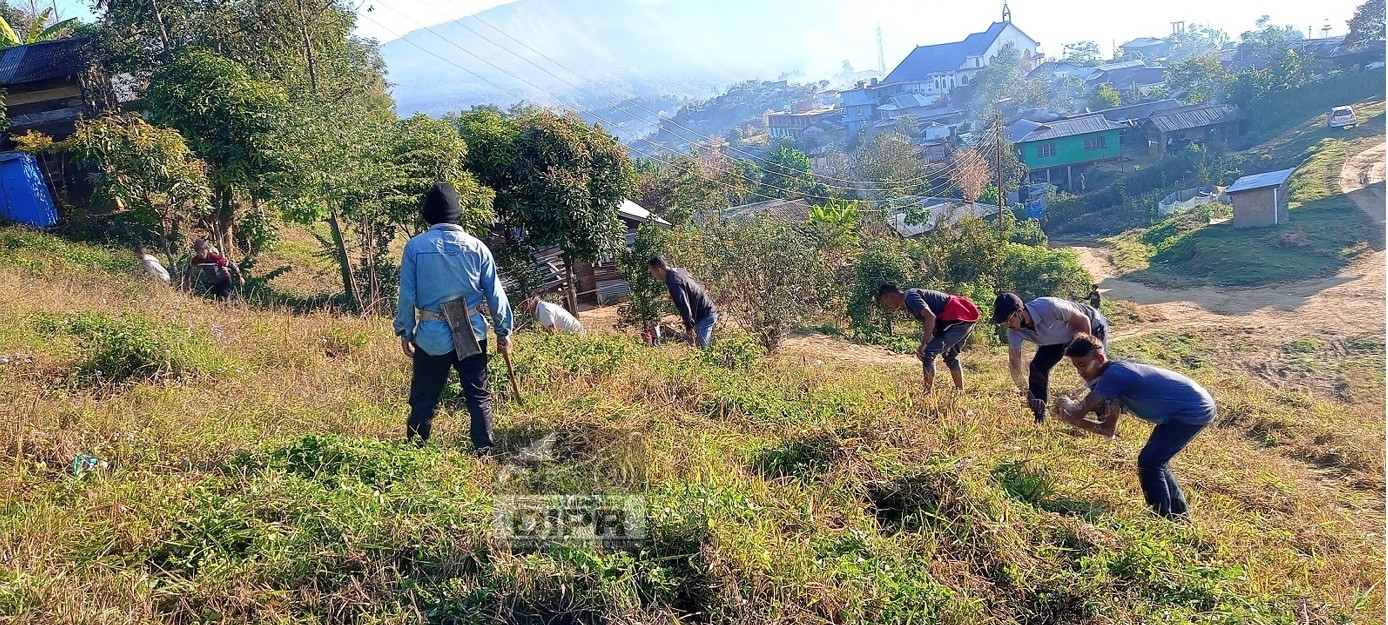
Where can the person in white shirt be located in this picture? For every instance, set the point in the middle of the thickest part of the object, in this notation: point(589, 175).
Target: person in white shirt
point(553, 317)
point(151, 265)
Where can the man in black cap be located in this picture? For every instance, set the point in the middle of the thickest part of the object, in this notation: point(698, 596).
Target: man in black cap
point(1051, 323)
point(441, 264)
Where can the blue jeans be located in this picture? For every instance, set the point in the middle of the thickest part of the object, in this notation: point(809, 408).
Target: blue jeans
point(1159, 485)
point(703, 331)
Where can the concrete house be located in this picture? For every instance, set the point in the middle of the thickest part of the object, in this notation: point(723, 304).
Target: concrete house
point(1260, 199)
point(1056, 148)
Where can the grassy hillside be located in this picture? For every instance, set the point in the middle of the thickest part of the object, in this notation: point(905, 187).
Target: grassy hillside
point(1326, 230)
point(255, 477)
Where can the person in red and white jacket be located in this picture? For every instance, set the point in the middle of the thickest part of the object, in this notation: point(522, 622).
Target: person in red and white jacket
point(216, 270)
point(946, 321)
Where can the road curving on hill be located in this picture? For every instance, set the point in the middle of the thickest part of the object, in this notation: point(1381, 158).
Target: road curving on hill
point(1351, 302)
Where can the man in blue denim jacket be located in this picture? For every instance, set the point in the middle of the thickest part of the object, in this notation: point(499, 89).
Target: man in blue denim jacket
point(441, 264)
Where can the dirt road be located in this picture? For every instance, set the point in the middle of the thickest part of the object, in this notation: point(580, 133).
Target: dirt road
point(1348, 303)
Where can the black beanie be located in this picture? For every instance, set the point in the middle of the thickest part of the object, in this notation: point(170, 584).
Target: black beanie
point(441, 205)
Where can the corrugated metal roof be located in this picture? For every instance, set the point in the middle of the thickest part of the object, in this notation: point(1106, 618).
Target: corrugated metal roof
point(951, 209)
point(633, 211)
point(1194, 117)
point(1024, 131)
point(1259, 181)
point(1142, 42)
point(1138, 111)
point(1126, 78)
point(792, 210)
point(41, 61)
point(943, 57)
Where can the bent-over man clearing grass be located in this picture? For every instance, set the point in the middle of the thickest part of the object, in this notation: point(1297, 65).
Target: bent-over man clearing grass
point(946, 321)
point(1179, 407)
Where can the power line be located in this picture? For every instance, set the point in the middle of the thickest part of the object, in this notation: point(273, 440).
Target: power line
point(523, 99)
point(848, 181)
point(561, 98)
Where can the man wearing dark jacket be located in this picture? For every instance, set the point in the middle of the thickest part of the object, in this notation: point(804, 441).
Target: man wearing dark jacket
point(692, 302)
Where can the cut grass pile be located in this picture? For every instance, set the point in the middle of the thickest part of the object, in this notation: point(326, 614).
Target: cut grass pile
point(776, 490)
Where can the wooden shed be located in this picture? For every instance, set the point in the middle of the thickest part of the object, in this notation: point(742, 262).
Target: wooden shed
point(1260, 199)
point(45, 87)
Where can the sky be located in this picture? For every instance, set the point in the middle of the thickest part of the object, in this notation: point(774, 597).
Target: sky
point(907, 23)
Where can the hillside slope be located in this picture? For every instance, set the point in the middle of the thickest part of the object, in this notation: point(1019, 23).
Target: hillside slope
point(254, 477)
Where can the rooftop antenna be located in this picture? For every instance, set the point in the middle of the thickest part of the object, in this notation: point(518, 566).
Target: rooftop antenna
point(881, 59)
point(1325, 30)
point(1006, 13)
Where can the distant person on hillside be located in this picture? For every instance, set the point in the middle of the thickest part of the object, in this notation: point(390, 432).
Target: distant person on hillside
point(151, 265)
point(1051, 323)
point(552, 317)
point(1094, 298)
point(946, 321)
point(440, 265)
point(1178, 406)
point(693, 303)
point(216, 271)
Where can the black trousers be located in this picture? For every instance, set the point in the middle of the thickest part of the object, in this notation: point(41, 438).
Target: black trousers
point(1046, 358)
point(426, 387)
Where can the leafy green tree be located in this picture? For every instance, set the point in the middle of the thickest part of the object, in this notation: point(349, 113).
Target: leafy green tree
point(556, 179)
point(764, 272)
point(893, 164)
point(1002, 78)
point(1196, 40)
point(786, 173)
point(148, 169)
point(1367, 24)
point(1200, 78)
point(1267, 43)
point(1104, 97)
point(648, 299)
point(1083, 53)
point(883, 260)
point(228, 118)
point(834, 226)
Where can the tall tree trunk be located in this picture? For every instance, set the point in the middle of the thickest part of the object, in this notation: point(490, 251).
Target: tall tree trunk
point(570, 289)
point(344, 262)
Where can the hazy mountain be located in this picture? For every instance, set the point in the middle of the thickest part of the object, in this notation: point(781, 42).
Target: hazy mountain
point(659, 51)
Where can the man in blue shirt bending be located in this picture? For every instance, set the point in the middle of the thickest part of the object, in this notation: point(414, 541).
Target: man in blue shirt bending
point(442, 264)
point(1178, 406)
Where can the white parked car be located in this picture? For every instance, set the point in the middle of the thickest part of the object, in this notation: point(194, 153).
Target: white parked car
point(1342, 117)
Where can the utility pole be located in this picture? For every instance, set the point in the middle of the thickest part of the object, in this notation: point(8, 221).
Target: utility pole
point(881, 59)
point(997, 153)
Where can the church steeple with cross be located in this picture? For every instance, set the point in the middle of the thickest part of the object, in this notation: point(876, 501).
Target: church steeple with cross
point(1006, 13)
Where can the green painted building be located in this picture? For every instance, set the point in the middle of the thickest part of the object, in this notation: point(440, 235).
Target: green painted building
point(1053, 150)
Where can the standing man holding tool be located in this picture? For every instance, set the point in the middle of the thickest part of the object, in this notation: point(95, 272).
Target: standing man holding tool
point(445, 276)
point(946, 321)
point(1051, 323)
point(693, 303)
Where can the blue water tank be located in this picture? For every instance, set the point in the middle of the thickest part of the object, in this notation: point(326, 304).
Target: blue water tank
point(24, 197)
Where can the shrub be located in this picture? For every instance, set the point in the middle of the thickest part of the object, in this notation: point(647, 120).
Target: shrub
point(764, 272)
point(648, 300)
point(128, 347)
